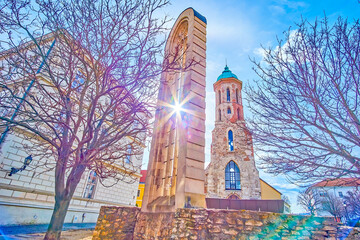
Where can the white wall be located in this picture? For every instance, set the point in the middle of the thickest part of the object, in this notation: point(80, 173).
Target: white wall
point(27, 197)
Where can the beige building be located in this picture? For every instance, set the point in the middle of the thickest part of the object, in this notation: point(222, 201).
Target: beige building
point(232, 172)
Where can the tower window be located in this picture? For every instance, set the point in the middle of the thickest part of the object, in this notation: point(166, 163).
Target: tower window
point(237, 95)
point(238, 114)
point(232, 176)
point(228, 94)
point(229, 110)
point(231, 142)
point(219, 115)
point(219, 97)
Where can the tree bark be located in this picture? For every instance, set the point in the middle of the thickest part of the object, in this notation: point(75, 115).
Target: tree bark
point(57, 218)
point(62, 202)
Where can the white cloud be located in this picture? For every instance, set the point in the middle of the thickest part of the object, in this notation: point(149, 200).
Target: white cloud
point(292, 4)
point(287, 186)
point(276, 9)
point(260, 52)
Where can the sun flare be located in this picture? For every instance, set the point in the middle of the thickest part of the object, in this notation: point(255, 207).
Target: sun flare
point(178, 108)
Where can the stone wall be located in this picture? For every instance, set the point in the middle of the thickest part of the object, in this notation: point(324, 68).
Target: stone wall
point(154, 226)
point(130, 223)
point(116, 223)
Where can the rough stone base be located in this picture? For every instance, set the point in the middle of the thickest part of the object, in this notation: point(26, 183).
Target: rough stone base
point(129, 223)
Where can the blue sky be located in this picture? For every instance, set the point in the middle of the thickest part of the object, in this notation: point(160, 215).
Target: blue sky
point(236, 30)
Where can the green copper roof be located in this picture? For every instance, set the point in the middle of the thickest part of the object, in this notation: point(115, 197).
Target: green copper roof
point(226, 74)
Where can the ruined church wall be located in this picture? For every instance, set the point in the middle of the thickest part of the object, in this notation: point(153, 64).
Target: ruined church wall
point(242, 156)
point(130, 223)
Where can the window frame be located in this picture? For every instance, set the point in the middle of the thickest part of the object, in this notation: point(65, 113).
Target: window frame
point(128, 154)
point(237, 95)
point(232, 178)
point(230, 140)
point(228, 110)
point(91, 181)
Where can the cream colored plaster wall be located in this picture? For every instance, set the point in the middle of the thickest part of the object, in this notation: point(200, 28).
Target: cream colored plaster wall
point(31, 192)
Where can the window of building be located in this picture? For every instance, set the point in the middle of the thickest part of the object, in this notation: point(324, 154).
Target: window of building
point(237, 95)
point(219, 97)
point(238, 113)
point(341, 194)
point(229, 110)
point(135, 124)
point(138, 194)
point(128, 151)
point(219, 115)
point(232, 176)
point(231, 143)
point(90, 186)
point(322, 194)
point(228, 94)
point(78, 82)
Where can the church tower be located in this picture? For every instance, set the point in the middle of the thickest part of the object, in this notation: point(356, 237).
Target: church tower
point(232, 172)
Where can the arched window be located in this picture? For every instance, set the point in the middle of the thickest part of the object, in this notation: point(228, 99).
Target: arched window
point(228, 94)
point(233, 197)
point(237, 95)
point(232, 176)
point(219, 115)
point(229, 110)
point(219, 97)
point(238, 113)
point(231, 142)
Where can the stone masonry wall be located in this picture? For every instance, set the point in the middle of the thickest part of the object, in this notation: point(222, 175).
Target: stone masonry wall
point(130, 223)
point(116, 223)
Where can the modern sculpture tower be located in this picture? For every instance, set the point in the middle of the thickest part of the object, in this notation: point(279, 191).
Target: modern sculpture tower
point(175, 177)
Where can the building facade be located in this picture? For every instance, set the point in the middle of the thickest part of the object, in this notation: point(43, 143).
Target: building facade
point(27, 196)
point(232, 172)
point(141, 188)
point(268, 192)
point(333, 192)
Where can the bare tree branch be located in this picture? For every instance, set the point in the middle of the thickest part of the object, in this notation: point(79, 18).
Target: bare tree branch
point(305, 104)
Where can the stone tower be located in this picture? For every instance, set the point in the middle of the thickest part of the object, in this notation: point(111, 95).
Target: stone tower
point(232, 172)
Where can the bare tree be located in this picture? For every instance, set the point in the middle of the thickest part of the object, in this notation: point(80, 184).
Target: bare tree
point(309, 200)
point(334, 205)
point(306, 104)
point(352, 205)
point(79, 77)
point(285, 198)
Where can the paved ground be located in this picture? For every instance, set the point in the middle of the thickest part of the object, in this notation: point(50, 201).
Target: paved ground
point(79, 231)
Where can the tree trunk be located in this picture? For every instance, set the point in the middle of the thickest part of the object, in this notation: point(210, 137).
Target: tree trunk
point(57, 219)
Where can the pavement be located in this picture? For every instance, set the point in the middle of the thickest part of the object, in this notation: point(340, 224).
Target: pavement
point(70, 230)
